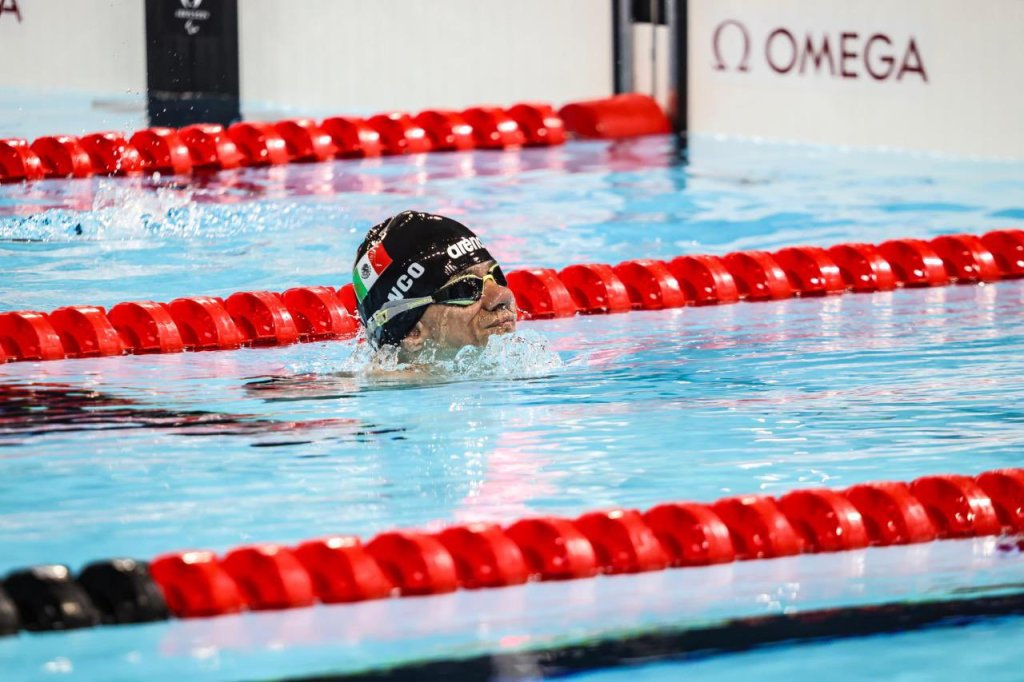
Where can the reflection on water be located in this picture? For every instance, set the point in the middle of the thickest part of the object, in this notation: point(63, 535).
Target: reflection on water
point(45, 409)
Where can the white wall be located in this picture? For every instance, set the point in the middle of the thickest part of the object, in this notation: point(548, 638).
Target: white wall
point(972, 53)
point(337, 55)
point(375, 55)
point(90, 45)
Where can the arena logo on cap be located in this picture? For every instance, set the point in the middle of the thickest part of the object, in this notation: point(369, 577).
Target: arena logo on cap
point(374, 262)
point(464, 246)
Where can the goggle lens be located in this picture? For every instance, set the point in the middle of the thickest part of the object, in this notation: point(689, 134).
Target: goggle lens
point(467, 290)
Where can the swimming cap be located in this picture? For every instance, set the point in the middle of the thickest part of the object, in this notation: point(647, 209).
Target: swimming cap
point(409, 256)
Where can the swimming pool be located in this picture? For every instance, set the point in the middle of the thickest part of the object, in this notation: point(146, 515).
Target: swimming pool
point(139, 455)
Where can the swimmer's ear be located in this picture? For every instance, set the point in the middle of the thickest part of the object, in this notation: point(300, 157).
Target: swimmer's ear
point(413, 341)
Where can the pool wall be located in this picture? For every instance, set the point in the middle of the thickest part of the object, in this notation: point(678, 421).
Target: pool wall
point(341, 57)
point(937, 75)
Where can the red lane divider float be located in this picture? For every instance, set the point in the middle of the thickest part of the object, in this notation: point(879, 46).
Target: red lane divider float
point(447, 131)
point(62, 157)
point(758, 276)
point(342, 570)
point(400, 134)
point(305, 141)
point(146, 327)
point(493, 128)
point(204, 323)
point(1007, 246)
point(339, 569)
point(111, 154)
point(613, 541)
point(539, 123)
point(264, 318)
point(86, 331)
point(207, 146)
point(260, 143)
point(650, 285)
point(352, 137)
point(624, 115)
point(914, 263)
point(595, 288)
point(18, 161)
point(810, 270)
point(29, 336)
point(162, 150)
point(545, 293)
point(966, 258)
point(862, 267)
point(485, 556)
point(704, 280)
point(210, 147)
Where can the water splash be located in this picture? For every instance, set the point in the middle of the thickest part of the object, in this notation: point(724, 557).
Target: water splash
point(522, 355)
point(123, 211)
point(120, 210)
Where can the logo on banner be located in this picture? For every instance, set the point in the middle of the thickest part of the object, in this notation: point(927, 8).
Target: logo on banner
point(735, 27)
point(846, 54)
point(193, 16)
point(10, 7)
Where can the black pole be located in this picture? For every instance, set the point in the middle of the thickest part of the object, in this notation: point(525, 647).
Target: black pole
point(680, 64)
point(192, 61)
point(622, 45)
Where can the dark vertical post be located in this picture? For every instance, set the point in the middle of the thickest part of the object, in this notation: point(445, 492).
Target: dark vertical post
point(622, 45)
point(192, 61)
point(679, 24)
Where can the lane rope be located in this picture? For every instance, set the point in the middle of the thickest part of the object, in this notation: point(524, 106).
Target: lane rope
point(209, 147)
point(399, 563)
point(303, 314)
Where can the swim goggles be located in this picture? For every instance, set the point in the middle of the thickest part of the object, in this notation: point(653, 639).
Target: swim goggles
point(463, 291)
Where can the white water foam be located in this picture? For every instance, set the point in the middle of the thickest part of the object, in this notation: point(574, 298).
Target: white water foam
point(524, 354)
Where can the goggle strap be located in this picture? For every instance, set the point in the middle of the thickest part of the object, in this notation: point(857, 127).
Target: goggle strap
point(392, 309)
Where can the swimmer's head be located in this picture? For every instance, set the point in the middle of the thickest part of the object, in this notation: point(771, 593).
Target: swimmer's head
point(422, 278)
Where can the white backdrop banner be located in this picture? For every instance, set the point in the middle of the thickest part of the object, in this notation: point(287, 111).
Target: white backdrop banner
point(938, 75)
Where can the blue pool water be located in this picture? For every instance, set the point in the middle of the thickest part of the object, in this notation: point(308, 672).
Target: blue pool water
point(141, 455)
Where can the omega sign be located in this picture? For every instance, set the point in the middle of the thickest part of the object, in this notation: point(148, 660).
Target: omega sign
point(846, 54)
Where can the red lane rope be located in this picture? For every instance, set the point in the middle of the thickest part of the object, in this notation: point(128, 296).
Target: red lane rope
point(405, 563)
point(211, 147)
point(263, 318)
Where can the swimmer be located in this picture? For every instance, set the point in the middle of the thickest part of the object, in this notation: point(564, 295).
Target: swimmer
point(425, 282)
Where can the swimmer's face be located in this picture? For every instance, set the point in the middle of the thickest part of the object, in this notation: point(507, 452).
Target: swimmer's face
point(452, 327)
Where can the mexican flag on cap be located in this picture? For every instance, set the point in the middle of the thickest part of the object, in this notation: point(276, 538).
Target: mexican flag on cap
point(369, 268)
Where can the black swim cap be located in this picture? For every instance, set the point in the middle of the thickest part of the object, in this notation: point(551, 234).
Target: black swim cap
point(409, 256)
